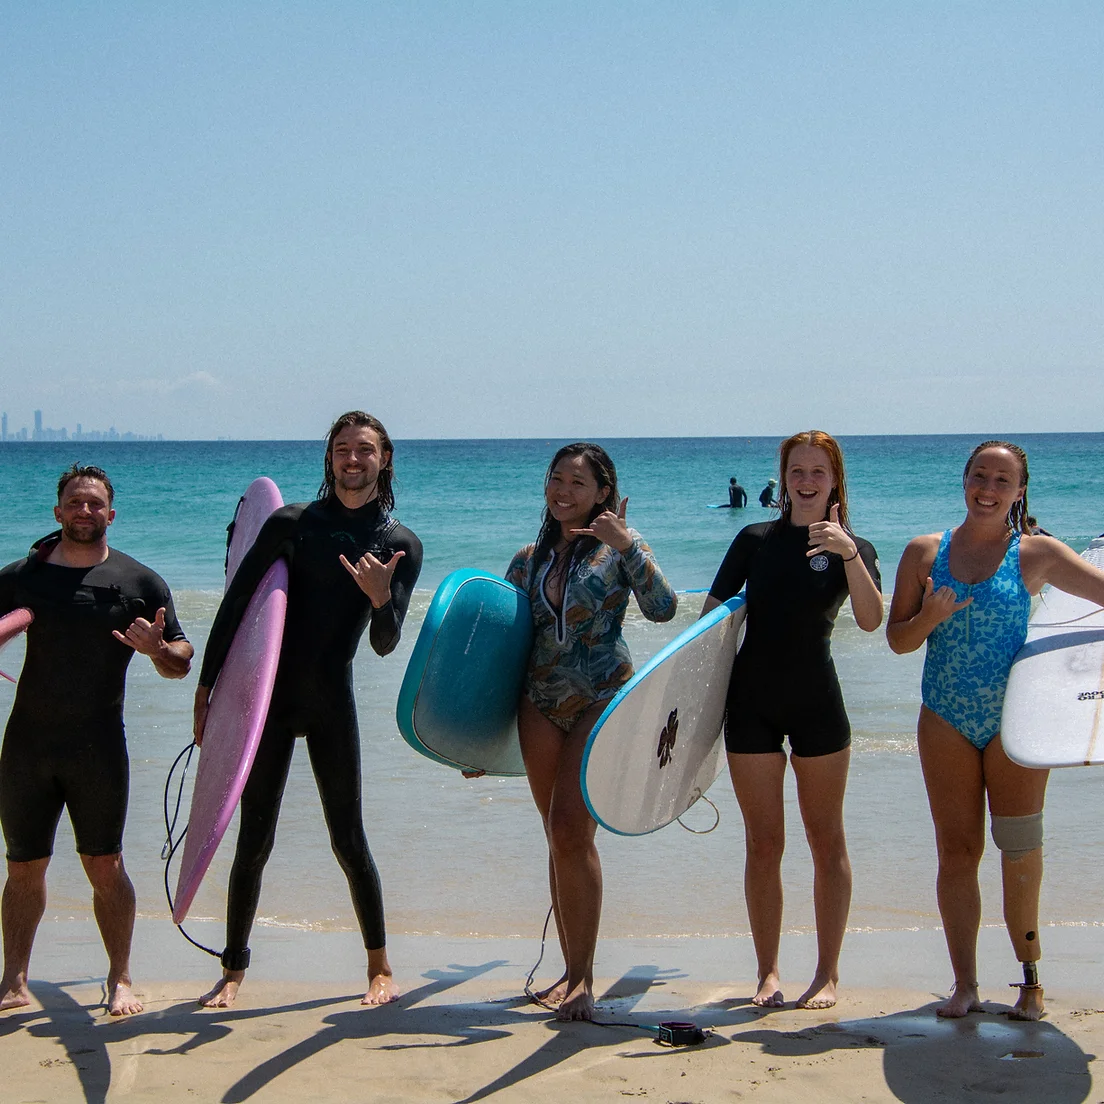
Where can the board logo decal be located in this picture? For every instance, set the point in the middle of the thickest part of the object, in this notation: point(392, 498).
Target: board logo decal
point(1090, 695)
point(667, 739)
point(819, 563)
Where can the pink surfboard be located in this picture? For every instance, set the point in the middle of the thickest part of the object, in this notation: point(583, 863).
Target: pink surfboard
point(239, 700)
point(11, 625)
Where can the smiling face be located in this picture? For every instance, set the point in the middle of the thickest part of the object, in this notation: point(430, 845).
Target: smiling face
point(84, 510)
point(357, 457)
point(808, 480)
point(994, 483)
point(572, 492)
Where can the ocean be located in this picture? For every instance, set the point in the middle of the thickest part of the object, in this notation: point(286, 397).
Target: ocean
point(467, 857)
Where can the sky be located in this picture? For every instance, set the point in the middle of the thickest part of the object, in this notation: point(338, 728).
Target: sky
point(540, 218)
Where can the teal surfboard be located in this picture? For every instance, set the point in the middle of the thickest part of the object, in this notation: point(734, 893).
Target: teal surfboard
point(459, 696)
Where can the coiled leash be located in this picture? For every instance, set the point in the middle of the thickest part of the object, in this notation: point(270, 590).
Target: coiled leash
point(171, 844)
point(672, 1033)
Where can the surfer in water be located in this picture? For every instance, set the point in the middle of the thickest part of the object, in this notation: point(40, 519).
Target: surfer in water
point(65, 746)
point(798, 571)
point(967, 593)
point(350, 566)
point(579, 574)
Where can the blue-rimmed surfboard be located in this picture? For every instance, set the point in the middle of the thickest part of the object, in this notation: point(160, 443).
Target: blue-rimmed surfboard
point(656, 749)
point(1054, 705)
point(459, 696)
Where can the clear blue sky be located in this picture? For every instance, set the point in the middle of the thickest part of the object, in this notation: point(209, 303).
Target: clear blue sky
point(553, 219)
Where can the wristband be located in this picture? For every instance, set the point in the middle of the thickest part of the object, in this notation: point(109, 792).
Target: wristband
point(848, 559)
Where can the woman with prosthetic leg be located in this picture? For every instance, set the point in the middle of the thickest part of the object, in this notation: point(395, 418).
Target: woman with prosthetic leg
point(966, 593)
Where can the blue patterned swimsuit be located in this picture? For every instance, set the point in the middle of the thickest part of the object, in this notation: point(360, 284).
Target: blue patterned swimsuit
point(579, 655)
point(970, 654)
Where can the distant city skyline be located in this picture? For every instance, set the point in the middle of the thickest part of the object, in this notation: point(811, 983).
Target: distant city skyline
point(41, 432)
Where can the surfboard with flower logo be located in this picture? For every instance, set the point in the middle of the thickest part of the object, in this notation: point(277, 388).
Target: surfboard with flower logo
point(657, 748)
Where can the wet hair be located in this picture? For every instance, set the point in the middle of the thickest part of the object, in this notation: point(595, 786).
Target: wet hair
point(605, 474)
point(85, 471)
point(816, 438)
point(1017, 515)
point(384, 493)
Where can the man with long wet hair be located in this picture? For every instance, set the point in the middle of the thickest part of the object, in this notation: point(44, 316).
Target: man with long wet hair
point(350, 566)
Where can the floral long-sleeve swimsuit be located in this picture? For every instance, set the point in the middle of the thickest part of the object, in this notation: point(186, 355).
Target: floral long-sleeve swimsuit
point(579, 655)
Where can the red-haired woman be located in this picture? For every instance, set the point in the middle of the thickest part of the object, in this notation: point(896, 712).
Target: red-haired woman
point(798, 571)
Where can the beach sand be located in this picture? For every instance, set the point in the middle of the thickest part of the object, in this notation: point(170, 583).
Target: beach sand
point(464, 1032)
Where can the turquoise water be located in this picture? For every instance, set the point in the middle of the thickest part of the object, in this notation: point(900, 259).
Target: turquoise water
point(463, 857)
point(473, 503)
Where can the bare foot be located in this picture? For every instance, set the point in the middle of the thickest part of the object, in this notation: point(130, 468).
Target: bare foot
point(121, 1000)
point(15, 995)
point(578, 1004)
point(225, 991)
point(381, 990)
point(963, 999)
point(1029, 1006)
point(769, 995)
point(555, 993)
point(821, 994)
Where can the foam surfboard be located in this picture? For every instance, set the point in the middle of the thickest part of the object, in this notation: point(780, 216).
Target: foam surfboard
point(459, 696)
point(656, 749)
point(239, 700)
point(1054, 705)
point(11, 625)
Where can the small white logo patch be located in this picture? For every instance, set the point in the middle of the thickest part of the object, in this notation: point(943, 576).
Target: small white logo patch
point(819, 563)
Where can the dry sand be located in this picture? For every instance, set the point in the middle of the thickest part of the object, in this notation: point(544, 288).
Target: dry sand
point(462, 1031)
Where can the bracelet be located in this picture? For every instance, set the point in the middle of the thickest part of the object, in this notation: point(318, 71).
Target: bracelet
point(848, 559)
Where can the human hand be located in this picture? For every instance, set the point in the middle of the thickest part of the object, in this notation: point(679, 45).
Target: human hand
point(830, 536)
point(201, 704)
point(609, 528)
point(373, 576)
point(938, 605)
point(144, 636)
point(473, 773)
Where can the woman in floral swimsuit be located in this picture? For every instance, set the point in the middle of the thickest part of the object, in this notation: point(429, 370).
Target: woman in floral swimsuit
point(967, 594)
point(578, 574)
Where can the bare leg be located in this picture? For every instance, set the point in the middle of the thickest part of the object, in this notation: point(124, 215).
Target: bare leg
point(113, 906)
point(24, 902)
point(1019, 791)
point(757, 780)
point(821, 781)
point(552, 762)
point(381, 985)
point(953, 777)
point(555, 993)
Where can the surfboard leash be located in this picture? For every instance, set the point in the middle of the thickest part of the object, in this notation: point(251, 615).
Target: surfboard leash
point(672, 1033)
point(716, 814)
point(171, 843)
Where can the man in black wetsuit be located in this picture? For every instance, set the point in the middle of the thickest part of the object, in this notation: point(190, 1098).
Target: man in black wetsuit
point(64, 745)
point(737, 496)
point(350, 565)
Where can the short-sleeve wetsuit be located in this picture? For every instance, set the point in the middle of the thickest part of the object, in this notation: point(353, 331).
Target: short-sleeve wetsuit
point(64, 746)
point(579, 656)
point(783, 679)
point(313, 696)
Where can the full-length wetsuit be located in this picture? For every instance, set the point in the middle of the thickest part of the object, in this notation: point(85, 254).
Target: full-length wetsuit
point(64, 746)
point(783, 679)
point(313, 695)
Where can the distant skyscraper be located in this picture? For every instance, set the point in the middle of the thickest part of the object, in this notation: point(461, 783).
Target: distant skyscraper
point(38, 425)
point(3, 427)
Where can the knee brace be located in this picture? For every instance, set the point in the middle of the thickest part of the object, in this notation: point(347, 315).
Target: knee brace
point(1018, 836)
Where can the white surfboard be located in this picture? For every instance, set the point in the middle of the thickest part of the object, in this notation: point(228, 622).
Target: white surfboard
point(656, 749)
point(1054, 706)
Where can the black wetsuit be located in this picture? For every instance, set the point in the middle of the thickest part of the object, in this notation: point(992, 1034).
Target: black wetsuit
point(64, 745)
point(313, 696)
point(783, 679)
point(737, 496)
